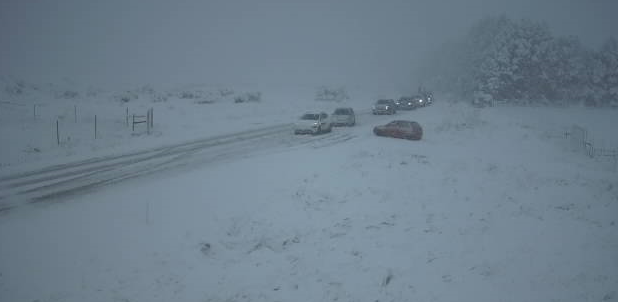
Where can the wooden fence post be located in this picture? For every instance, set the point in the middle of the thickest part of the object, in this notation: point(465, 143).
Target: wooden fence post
point(75, 112)
point(57, 133)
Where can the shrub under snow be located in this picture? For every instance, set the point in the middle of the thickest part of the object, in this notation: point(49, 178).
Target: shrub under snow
point(324, 93)
point(248, 97)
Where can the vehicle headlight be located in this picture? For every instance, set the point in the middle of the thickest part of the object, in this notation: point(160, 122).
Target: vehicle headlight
point(387, 107)
point(409, 104)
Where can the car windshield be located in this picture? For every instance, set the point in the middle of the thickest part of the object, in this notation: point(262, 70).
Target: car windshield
point(342, 111)
point(384, 101)
point(310, 116)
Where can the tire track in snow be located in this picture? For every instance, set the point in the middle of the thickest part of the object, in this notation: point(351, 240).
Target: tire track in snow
point(55, 182)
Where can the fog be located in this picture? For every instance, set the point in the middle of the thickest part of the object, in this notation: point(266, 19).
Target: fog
point(276, 43)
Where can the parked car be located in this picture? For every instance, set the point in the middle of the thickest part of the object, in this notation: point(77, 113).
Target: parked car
point(385, 106)
point(406, 103)
point(343, 117)
point(400, 129)
point(313, 123)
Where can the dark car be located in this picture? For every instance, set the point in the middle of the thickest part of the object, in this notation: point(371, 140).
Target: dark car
point(406, 103)
point(419, 100)
point(385, 106)
point(429, 97)
point(426, 95)
point(400, 129)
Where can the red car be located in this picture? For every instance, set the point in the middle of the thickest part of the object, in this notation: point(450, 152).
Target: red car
point(400, 129)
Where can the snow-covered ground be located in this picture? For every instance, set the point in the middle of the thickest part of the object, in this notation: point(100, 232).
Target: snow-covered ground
point(492, 205)
point(28, 120)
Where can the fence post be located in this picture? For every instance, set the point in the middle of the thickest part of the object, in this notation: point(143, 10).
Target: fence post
point(148, 121)
point(34, 111)
point(133, 123)
point(57, 133)
point(127, 117)
point(95, 126)
point(75, 112)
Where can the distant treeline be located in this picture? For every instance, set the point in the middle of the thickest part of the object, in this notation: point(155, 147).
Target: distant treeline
point(521, 61)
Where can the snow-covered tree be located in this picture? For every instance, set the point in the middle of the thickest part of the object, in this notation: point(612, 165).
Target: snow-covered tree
point(511, 67)
point(604, 75)
point(514, 61)
point(564, 66)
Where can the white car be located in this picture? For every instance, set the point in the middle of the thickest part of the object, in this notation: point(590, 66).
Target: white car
point(313, 123)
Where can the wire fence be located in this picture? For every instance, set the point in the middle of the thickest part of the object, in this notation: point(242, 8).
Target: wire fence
point(582, 142)
point(70, 123)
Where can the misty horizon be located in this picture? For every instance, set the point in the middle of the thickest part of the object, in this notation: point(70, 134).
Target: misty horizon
point(120, 43)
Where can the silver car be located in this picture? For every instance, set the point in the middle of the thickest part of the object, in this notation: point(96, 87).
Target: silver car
point(343, 117)
point(385, 106)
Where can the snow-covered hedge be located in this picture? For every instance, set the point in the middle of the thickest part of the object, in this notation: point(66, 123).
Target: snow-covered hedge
point(248, 97)
point(126, 96)
point(325, 93)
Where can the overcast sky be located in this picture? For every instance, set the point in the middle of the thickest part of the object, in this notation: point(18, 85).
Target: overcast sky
point(116, 42)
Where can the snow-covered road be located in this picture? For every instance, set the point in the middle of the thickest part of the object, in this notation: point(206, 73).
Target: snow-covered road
point(58, 181)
